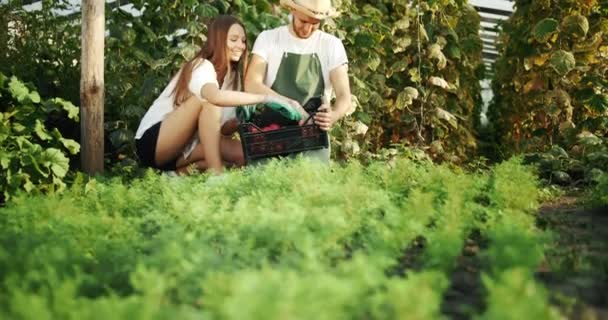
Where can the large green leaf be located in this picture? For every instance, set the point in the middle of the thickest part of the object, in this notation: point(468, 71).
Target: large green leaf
point(435, 53)
point(20, 92)
point(72, 110)
point(453, 51)
point(406, 97)
point(55, 160)
point(17, 89)
point(446, 116)
point(545, 29)
point(562, 62)
point(398, 66)
point(598, 103)
point(72, 146)
point(40, 131)
point(401, 43)
point(5, 159)
point(575, 25)
point(402, 24)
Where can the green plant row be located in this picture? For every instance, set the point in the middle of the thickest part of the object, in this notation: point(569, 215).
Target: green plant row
point(515, 248)
point(289, 240)
point(598, 196)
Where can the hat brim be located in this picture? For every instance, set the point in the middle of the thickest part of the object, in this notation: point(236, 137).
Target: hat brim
point(289, 4)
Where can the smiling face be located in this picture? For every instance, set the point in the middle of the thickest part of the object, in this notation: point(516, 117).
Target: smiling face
point(303, 25)
point(236, 43)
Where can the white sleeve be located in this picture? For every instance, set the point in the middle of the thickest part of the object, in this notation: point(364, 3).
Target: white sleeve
point(337, 55)
point(261, 47)
point(202, 74)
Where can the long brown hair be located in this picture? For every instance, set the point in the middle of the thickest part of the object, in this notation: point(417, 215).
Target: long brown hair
point(214, 50)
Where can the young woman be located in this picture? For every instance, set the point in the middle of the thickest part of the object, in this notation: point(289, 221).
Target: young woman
point(190, 106)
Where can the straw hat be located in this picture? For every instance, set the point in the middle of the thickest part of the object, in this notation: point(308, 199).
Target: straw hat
point(318, 9)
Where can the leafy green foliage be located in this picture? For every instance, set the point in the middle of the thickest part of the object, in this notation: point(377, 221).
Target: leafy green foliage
point(550, 85)
point(396, 100)
point(598, 196)
point(575, 25)
point(562, 62)
point(545, 29)
point(584, 161)
point(33, 157)
point(415, 80)
point(268, 243)
point(42, 47)
point(516, 290)
point(516, 246)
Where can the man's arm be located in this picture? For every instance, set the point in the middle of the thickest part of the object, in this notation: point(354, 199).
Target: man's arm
point(339, 81)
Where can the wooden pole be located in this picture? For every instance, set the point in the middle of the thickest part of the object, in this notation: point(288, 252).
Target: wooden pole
point(92, 86)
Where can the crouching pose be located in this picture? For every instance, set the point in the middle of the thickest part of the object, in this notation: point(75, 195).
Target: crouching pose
point(192, 105)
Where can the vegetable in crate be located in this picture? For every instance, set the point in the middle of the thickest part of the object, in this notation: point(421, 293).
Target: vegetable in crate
point(274, 112)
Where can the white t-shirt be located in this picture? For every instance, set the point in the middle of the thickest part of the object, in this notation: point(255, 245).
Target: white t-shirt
point(272, 44)
point(202, 74)
point(228, 84)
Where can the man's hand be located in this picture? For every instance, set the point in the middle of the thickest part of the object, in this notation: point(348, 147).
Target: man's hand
point(325, 117)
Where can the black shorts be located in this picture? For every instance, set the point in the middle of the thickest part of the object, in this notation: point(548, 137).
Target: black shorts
point(146, 149)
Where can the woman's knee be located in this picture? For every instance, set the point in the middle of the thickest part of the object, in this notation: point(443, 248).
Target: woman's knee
point(211, 111)
point(192, 103)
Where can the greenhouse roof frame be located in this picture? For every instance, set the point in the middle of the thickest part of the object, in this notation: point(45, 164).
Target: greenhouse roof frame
point(492, 13)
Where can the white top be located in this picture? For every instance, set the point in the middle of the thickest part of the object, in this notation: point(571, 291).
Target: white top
point(228, 84)
point(272, 44)
point(202, 74)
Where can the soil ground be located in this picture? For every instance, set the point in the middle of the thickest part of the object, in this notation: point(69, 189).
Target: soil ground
point(575, 271)
point(576, 267)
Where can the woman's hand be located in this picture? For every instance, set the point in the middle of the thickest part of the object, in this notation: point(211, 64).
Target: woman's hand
point(290, 102)
point(297, 106)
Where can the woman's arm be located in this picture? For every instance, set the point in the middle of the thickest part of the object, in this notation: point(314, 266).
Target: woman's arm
point(230, 98)
point(254, 79)
point(254, 82)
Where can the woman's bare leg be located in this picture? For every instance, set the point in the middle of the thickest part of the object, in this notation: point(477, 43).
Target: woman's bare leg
point(177, 129)
point(209, 135)
point(231, 154)
point(232, 151)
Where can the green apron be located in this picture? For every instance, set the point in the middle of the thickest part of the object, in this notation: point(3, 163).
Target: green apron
point(300, 78)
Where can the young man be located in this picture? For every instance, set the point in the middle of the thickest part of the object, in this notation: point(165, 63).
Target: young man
point(298, 61)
